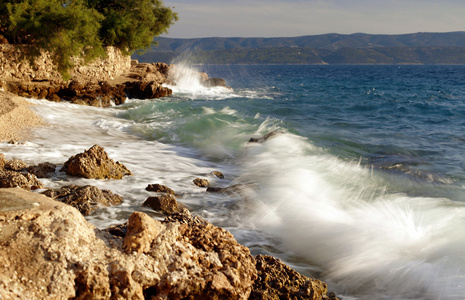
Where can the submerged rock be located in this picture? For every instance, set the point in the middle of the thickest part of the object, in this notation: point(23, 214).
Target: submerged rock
point(95, 163)
point(85, 198)
point(49, 251)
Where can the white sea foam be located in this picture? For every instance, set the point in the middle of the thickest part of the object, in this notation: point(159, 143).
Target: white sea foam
point(369, 242)
point(188, 83)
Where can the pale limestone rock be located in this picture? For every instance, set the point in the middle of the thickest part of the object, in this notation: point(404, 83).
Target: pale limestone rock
point(49, 251)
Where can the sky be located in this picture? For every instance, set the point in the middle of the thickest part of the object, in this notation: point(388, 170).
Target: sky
point(289, 18)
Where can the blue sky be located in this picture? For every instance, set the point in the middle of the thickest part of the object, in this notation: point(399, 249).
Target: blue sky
point(279, 18)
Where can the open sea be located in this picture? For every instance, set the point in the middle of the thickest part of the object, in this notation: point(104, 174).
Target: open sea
point(362, 186)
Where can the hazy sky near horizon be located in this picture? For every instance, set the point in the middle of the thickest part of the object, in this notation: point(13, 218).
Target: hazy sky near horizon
point(280, 18)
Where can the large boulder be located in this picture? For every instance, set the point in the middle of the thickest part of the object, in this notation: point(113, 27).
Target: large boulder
point(49, 251)
point(95, 163)
point(85, 198)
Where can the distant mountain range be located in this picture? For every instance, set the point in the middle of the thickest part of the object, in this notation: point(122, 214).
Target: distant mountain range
point(358, 48)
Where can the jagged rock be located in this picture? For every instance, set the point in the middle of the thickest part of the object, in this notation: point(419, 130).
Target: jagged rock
point(85, 198)
point(15, 165)
point(278, 281)
point(100, 94)
point(9, 179)
point(218, 174)
point(13, 173)
point(95, 163)
point(146, 90)
point(159, 188)
point(164, 203)
point(211, 82)
point(201, 182)
point(43, 170)
point(49, 251)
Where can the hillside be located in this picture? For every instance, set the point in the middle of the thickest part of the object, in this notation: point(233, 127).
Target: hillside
point(359, 48)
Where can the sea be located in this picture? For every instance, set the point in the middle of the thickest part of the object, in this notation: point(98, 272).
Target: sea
point(355, 174)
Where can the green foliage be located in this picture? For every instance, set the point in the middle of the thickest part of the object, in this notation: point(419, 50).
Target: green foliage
point(82, 28)
point(131, 25)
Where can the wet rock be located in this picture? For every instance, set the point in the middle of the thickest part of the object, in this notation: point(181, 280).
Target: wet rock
point(100, 94)
point(201, 182)
point(85, 198)
point(13, 173)
point(218, 174)
point(164, 203)
point(212, 82)
point(43, 170)
point(278, 281)
point(159, 188)
point(95, 163)
point(241, 188)
point(146, 90)
point(15, 165)
point(9, 179)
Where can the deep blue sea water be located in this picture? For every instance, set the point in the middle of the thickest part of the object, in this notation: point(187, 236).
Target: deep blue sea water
point(362, 186)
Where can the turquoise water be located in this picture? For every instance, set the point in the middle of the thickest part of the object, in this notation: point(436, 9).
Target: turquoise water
point(362, 185)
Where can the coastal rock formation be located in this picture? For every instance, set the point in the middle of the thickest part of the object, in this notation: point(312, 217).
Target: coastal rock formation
point(85, 198)
point(200, 182)
point(146, 90)
point(13, 173)
point(278, 281)
point(42, 170)
point(99, 93)
point(95, 163)
point(164, 203)
point(49, 251)
point(212, 82)
point(159, 188)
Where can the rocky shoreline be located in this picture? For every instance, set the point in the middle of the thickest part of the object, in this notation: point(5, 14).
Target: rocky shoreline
point(49, 251)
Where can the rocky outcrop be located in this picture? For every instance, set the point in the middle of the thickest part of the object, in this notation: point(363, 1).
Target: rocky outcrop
point(13, 67)
point(49, 251)
point(13, 173)
point(85, 198)
point(278, 281)
point(167, 204)
point(42, 170)
point(200, 182)
point(146, 90)
point(159, 188)
point(99, 93)
point(212, 82)
point(95, 163)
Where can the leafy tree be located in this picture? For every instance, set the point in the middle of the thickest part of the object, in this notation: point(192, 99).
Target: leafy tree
point(82, 28)
point(131, 24)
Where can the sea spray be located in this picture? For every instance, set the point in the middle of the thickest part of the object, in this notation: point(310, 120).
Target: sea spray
point(341, 217)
